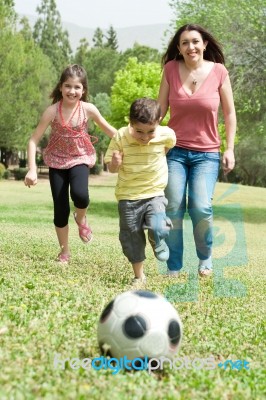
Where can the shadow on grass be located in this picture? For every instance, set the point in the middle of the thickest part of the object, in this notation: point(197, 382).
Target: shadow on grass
point(233, 213)
point(236, 213)
point(104, 209)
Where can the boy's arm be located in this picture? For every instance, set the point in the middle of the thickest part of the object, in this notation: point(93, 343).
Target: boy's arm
point(117, 159)
point(114, 156)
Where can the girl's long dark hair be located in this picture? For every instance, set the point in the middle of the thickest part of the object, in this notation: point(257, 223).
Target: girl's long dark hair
point(71, 71)
point(213, 50)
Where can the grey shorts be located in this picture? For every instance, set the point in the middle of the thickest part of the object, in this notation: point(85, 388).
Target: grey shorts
point(134, 217)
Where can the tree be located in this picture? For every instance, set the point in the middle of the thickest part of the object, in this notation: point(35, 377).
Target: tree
point(134, 81)
point(251, 161)
point(26, 31)
point(26, 74)
point(102, 102)
point(142, 53)
point(111, 39)
point(98, 39)
point(101, 65)
point(25, 78)
point(82, 52)
point(50, 36)
point(7, 14)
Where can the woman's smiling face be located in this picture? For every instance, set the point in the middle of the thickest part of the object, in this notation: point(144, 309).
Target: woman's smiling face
point(191, 45)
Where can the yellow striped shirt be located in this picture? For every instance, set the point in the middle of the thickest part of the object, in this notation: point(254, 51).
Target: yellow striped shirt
point(143, 173)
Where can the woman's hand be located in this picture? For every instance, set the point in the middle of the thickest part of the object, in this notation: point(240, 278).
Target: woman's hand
point(228, 161)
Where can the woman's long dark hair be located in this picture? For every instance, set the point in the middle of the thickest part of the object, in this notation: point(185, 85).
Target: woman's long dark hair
point(71, 71)
point(213, 50)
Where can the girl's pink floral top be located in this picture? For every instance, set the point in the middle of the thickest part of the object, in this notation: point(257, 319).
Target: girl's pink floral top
point(69, 146)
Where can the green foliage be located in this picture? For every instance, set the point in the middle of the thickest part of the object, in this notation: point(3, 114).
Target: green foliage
point(101, 65)
point(111, 39)
point(20, 173)
point(82, 52)
point(2, 170)
point(143, 54)
point(102, 102)
point(250, 161)
point(22, 163)
point(7, 14)
point(25, 30)
point(98, 38)
point(101, 62)
point(26, 75)
point(222, 134)
point(7, 174)
point(50, 36)
point(136, 80)
point(96, 169)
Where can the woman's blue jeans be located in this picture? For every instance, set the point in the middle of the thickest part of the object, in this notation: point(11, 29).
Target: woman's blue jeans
point(191, 182)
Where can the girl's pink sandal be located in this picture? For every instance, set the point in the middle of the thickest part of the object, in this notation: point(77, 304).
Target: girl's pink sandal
point(85, 232)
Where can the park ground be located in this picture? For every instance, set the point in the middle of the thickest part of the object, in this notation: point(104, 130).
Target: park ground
point(48, 309)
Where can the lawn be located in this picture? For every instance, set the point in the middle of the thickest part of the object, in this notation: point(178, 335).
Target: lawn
point(48, 309)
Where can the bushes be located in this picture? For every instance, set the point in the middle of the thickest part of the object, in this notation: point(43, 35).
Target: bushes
point(20, 173)
point(96, 169)
point(7, 174)
point(2, 170)
point(22, 163)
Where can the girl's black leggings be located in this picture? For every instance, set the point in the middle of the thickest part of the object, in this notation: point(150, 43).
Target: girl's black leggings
point(77, 178)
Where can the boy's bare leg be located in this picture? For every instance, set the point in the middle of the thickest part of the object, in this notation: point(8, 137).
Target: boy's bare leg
point(138, 269)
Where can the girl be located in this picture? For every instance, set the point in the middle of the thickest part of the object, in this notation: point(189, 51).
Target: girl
point(69, 154)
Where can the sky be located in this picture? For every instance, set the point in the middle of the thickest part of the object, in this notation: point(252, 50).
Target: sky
point(104, 13)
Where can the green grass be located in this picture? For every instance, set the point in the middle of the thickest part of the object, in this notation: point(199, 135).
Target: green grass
point(46, 308)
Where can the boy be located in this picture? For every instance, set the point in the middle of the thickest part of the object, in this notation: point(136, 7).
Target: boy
point(137, 152)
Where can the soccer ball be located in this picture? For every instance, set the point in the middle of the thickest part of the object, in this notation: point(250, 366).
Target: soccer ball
point(139, 323)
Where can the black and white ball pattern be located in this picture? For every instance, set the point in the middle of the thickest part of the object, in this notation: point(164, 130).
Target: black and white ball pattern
point(137, 324)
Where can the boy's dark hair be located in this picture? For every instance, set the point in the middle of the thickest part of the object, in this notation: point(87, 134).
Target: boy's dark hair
point(71, 71)
point(145, 110)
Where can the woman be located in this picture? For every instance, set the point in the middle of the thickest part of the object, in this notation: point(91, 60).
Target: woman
point(193, 85)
